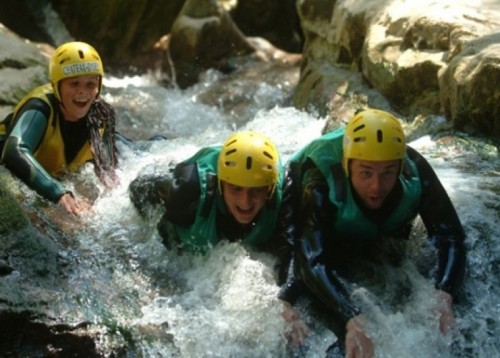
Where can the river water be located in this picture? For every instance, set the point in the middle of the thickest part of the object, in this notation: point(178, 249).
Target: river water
point(124, 283)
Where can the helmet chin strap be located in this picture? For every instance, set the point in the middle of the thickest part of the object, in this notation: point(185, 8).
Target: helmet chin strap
point(220, 186)
point(58, 85)
point(345, 165)
point(271, 192)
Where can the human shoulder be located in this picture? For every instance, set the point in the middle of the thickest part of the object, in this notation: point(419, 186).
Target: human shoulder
point(414, 154)
point(34, 104)
point(184, 196)
point(327, 140)
point(186, 176)
point(39, 99)
point(423, 167)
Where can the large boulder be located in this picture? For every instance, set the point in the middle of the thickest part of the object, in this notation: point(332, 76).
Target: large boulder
point(23, 66)
point(203, 36)
point(34, 20)
point(469, 89)
point(12, 216)
point(414, 53)
point(276, 21)
point(30, 261)
point(124, 32)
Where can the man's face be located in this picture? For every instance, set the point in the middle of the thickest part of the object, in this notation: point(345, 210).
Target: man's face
point(373, 180)
point(77, 95)
point(244, 203)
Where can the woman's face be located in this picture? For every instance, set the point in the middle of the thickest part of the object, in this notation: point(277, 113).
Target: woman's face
point(244, 203)
point(77, 94)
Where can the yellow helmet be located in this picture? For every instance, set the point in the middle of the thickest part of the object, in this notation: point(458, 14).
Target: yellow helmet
point(248, 159)
point(373, 135)
point(74, 59)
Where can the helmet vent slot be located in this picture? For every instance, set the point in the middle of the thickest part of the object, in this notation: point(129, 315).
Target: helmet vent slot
point(249, 163)
point(269, 155)
point(80, 53)
point(380, 136)
point(358, 128)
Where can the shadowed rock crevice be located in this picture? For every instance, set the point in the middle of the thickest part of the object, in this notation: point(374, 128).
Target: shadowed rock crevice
point(21, 335)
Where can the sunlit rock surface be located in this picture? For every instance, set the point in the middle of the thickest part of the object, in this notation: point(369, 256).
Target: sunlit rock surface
point(427, 56)
point(23, 66)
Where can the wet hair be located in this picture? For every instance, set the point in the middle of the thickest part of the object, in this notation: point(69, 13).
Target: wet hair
point(102, 115)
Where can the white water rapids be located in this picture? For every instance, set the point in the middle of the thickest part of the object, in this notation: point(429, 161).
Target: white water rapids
point(224, 304)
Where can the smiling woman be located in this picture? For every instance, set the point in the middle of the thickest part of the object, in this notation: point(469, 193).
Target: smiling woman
point(60, 126)
point(77, 95)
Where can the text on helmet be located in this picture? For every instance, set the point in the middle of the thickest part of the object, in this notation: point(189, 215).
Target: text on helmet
point(79, 68)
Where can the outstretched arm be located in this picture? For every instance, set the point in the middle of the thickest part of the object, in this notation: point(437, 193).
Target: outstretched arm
point(178, 193)
point(312, 266)
point(20, 146)
point(443, 227)
point(446, 233)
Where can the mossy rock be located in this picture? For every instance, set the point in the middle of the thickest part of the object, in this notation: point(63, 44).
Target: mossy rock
point(12, 216)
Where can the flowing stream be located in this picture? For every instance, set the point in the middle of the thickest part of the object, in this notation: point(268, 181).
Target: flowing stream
point(124, 282)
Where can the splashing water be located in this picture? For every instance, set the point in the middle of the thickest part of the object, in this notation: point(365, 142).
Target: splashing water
point(224, 304)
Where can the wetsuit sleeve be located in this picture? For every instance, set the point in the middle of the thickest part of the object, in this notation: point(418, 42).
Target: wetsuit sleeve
point(178, 194)
point(184, 195)
point(312, 265)
point(18, 152)
point(291, 290)
point(287, 217)
point(285, 230)
point(148, 190)
point(443, 227)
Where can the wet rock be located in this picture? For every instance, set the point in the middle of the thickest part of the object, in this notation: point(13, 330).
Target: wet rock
point(34, 20)
point(124, 32)
point(203, 36)
point(424, 57)
point(23, 66)
point(5, 269)
point(21, 334)
point(12, 216)
point(269, 76)
point(469, 86)
point(276, 21)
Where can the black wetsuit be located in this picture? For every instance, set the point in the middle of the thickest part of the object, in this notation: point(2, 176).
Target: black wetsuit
point(325, 264)
point(40, 145)
point(180, 196)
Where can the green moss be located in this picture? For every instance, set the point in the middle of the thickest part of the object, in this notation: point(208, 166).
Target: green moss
point(12, 216)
